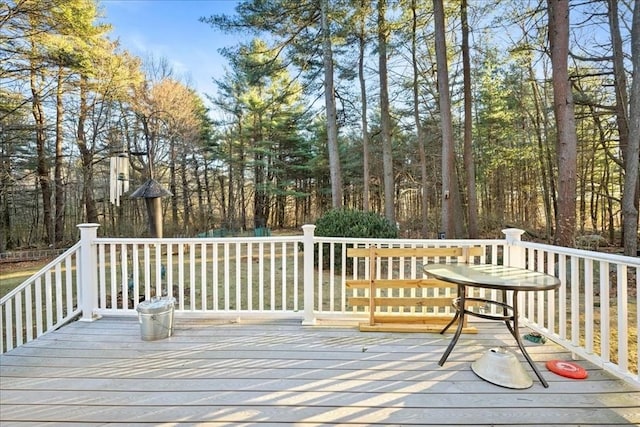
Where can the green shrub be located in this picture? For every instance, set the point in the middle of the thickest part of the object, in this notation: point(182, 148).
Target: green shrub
point(352, 223)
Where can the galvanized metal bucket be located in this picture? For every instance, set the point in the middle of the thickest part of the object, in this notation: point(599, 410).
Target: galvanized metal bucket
point(156, 318)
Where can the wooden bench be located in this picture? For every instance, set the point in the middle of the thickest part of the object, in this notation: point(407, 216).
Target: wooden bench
point(426, 308)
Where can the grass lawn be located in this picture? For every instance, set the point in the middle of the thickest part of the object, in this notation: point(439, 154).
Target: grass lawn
point(14, 273)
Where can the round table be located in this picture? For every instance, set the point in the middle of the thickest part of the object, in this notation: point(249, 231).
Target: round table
point(499, 277)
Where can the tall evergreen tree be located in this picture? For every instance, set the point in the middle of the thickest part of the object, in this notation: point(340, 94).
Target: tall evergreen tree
point(265, 102)
point(298, 28)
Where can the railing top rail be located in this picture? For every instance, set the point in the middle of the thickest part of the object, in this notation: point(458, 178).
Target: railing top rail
point(43, 270)
point(298, 238)
point(583, 253)
point(167, 240)
point(403, 241)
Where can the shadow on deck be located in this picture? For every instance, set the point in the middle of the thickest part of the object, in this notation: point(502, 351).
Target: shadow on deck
point(281, 373)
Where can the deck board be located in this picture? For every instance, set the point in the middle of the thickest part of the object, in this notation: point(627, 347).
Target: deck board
point(281, 373)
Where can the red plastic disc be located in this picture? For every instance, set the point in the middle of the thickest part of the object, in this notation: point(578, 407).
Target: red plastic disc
point(567, 369)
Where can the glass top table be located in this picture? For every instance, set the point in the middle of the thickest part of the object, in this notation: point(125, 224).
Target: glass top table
point(498, 277)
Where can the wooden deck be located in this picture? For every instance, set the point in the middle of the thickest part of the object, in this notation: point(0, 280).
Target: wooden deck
point(214, 373)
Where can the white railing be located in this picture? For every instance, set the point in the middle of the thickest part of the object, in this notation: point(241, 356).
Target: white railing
point(303, 277)
point(594, 313)
point(42, 303)
point(237, 276)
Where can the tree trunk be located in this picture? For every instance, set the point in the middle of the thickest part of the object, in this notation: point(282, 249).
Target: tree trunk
point(201, 218)
point(208, 208)
point(620, 81)
point(563, 107)
point(335, 168)
point(7, 239)
point(239, 177)
point(187, 216)
point(630, 194)
point(42, 167)
point(622, 118)
point(363, 94)
point(57, 168)
point(173, 185)
point(424, 200)
point(86, 153)
point(449, 184)
point(385, 116)
point(224, 205)
point(546, 168)
point(469, 163)
point(228, 214)
point(259, 176)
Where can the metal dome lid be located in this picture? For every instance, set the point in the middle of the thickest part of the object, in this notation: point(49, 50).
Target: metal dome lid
point(501, 367)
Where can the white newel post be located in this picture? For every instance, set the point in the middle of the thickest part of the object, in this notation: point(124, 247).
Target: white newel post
point(88, 272)
point(308, 231)
point(514, 253)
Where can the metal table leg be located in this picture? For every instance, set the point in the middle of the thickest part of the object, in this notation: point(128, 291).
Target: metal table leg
point(452, 321)
point(460, 315)
point(510, 320)
point(516, 335)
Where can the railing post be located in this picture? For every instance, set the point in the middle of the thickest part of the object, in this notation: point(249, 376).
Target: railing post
point(514, 253)
point(308, 248)
point(88, 297)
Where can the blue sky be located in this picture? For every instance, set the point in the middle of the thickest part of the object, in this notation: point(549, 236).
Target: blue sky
point(170, 29)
